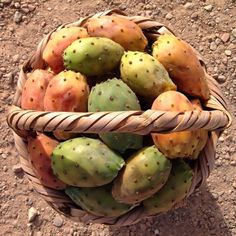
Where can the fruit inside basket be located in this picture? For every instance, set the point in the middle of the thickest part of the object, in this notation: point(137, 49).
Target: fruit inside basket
point(108, 66)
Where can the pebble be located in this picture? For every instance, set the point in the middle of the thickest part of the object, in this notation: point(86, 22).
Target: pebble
point(156, 231)
point(17, 168)
point(213, 46)
point(225, 37)
point(58, 222)
point(228, 53)
point(221, 79)
point(234, 33)
point(16, 58)
point(32, 213)
point(194, 16)
point(234, 185)
point(169, 16)
point(17, 17)
point(5, 169)
point(189, 6)
point(208, 8)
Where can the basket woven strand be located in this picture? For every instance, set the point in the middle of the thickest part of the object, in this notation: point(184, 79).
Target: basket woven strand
point(215, 118)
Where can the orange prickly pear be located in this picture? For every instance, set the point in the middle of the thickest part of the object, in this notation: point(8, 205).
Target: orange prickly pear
point(67, 91)
point(34, 90)
point(59, 41)
point(202, 133)
point(179, 144)
point(40, 150)
point(182, 64)
point(125, 32)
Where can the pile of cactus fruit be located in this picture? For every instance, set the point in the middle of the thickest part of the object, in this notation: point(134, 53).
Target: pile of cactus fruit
point(109, 65)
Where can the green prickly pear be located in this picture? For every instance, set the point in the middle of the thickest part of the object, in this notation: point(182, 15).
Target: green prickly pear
point(59, 41)
point(115, 95)
point(184, 144)
point(34, 90)
point(173, 192)
point(40, 149)
point(98, 201)
point(182, 64)
point(93, 56)
point(123, 31)
point(144, 74)
point(144, 174)
point(85, 162)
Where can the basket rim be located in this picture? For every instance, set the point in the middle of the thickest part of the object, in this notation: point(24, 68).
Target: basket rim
point(214, 118)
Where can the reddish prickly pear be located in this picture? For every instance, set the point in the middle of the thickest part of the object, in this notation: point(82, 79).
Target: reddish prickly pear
point(59, 41)
point(182, 64)
point(180, 144)
point(34, 90)
point(125, 32)
point(40, 150)
point(67, 91)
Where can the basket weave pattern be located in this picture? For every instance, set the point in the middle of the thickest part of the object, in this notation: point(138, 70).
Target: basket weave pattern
point(214, 118)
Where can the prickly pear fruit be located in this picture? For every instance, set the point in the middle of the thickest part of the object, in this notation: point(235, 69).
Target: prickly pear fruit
point(93, 56)
point(115, 95)
point(144, 74)
point(125, 32)
point(40, 149)
point(34, 90)
point(144, 174)
point(182, 64)
point(98, 201)
point(67, 91)
point(173, 192)
point(59, 41)
point(179, 144)
point(85, 162)
point(201, 133)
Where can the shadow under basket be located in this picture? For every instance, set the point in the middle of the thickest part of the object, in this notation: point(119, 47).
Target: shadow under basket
point(214, 118)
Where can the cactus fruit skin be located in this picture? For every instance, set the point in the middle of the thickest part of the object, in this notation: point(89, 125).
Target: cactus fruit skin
point(98, 201)
point(125, 32)
point(201, 133)
point(182, 64)
point(40, 149)
point(34, 90)
point(85, 162)
point(144, 174)
point(178, 144)
point(115, 95)
point(144, 74)
point(173, 192)
point(93, 56)
point(67, 91)
point(59, 41)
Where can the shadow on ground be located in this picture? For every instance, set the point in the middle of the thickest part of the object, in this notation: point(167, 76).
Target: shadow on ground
point(202, 214)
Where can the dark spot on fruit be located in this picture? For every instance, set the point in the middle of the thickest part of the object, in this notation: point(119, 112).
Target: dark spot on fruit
point(169, 54)
point(74, 51)
point(63, 36)
point(185, 181)
point(127, 106)
point(111, 98)
point(136, 75)
point(76, 165)
point(122, 30)
point(140, 59)
point(130, 62)
point(50, 86)
point(65, 53)
point(99, 93)
point(135, 181)
point(146, 165)
point(112, 21)
point(153, 59)
point(53, 100)
point(147, 71)
point(64, 79)
point(126, 55)
point(129, 92)
point(101, 26)
point(31, 99)
point(80, 41)
point(90, 158)
point(172, 200)
point(62, 157)
point(77, 78)
point(168, 42)
point(92, 43)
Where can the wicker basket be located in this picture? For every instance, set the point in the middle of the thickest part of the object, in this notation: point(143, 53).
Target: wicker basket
point(214, 118)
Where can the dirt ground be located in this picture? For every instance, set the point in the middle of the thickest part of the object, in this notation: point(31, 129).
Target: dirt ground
point(210, 26)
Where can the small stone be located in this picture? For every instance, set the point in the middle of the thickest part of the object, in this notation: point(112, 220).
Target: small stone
point(228, 53)
point(215, 196)
point(17, 17)
point(5, 169)
point(189, 6)
point(225, 37)
point(156, 231)
point(221, 79)
point(208, 8)
point(17, 5)
point(58, 222)
point(15, 58)
point(17, 168)
point(32, 213)
point(169, 16)
point(31, 7)
point(194, 16)
point(234, 33)
point(234, 185)
point(213, 46)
